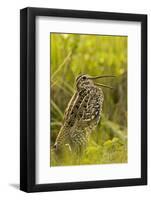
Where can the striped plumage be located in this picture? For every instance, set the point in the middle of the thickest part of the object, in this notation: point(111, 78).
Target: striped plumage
point(82, 114)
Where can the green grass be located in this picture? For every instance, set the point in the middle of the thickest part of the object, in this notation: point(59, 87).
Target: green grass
point(74, 54)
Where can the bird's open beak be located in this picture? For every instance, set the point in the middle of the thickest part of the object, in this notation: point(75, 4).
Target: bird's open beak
point(103, 76)
point(102, 85)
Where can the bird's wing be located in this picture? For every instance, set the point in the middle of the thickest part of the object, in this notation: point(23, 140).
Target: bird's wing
point(70, 106)
point(86, 117)
point(90, 109)
point(73, 107)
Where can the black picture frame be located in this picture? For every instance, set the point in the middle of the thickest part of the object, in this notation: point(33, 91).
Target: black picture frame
point(28, 99)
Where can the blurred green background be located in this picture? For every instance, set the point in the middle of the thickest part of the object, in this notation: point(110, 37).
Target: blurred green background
point(74, 54)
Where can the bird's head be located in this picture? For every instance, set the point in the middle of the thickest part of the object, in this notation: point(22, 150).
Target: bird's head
point(84, 80)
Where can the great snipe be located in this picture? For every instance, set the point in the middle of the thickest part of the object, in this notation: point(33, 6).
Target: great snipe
point(82, 113)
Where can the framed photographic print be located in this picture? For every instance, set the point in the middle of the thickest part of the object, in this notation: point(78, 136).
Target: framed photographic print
point(83, 99)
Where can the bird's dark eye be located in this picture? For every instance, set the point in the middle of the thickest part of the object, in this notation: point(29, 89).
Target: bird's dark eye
point(84, 77)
